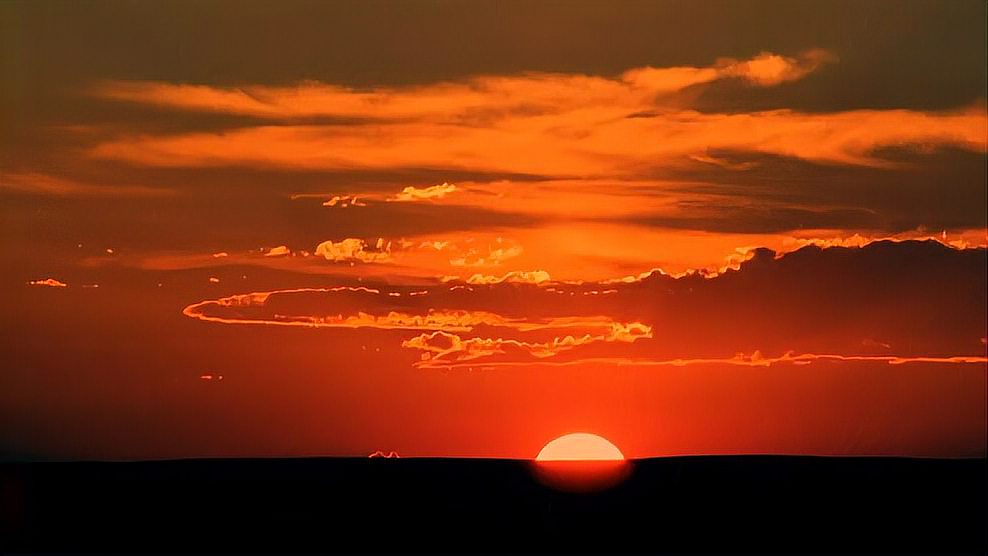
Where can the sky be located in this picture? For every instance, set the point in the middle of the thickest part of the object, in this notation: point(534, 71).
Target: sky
point(463, 229)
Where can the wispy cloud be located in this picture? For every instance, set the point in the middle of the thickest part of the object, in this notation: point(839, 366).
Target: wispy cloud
point(597, 142)
point(481, 96)
point(50, 282)
point(549, 124)
point(651, 320)
point(412, 193)
point(768, 69)
point(409, 194)
point(59, 186)
point(516, 276)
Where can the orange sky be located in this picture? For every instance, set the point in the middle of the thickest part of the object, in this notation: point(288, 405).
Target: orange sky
point(443, 231)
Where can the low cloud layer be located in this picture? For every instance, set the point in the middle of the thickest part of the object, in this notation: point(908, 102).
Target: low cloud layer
point(656, 319)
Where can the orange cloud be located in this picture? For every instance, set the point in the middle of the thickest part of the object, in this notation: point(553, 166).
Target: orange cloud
point(753, 360)
point(279, 251)
point(443, 342)
point(767, 69)
point(492, 255)
point(408, 194)
point(344, 201)
point(50, 282)
point(547, 92)
point(353, 249)
point(548, 124)
point(438, 320)
point(497, 320)
point(412, 193)
point(441, 348)
point(600, 143)
point(519, 276)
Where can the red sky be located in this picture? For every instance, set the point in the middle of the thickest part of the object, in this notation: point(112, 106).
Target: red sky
point(450, 230)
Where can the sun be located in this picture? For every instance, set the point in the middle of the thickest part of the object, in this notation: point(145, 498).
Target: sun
point(580, 446)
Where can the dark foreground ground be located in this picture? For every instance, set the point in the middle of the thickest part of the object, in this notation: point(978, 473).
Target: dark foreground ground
point(691, 504)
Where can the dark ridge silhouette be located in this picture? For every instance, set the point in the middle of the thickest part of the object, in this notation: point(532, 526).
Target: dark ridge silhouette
point(679, 504)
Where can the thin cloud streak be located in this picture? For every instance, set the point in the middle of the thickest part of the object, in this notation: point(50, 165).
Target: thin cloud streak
point(520, 317)
point(532, 92)
point(595, 144)
point(739, 360)
point(547, 124)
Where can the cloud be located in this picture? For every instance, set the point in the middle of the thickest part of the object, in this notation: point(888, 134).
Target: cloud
point(596, 142)
point(440, 349)
point(537, 123)
point(279, 251)
point(768, 69)
point(353, 249)
point(344, 201)
point(412, 193)
point(408, 194)
point(485, 96)
point(662, 320)
point(722, 163)
point(970, 239)
point(493, 255)
point(742, 360)
point(419, 257)
point(576, 252)
point(47, 184)
point(50, 282)
point(296, 305)
point(442, 343)
point(442, 324)
point(517, 277)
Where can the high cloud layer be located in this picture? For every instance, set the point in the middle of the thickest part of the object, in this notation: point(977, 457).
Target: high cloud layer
point(550, 124)
point(484, 95)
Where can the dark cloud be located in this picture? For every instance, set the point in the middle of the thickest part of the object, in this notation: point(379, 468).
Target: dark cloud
point(942, 189)
point(904, 299)
point(917, 297)
point(761, 218)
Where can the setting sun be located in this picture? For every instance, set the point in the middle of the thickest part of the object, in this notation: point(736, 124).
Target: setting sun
point(580, 446)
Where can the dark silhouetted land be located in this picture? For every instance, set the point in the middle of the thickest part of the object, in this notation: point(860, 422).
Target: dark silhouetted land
point(691, 504)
